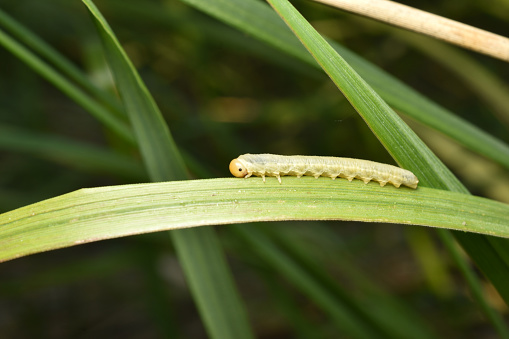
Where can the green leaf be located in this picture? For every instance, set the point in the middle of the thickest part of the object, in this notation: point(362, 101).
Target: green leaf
point(94, 214)
point(484, 82)
point(57, 60)
point(70, 153)
point(370, 313)
point(152, 133)
point(199, 252)
point(67, 87)
point(256, 18)
point(401, 142)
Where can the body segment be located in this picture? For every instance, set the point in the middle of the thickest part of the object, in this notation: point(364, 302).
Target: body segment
point(263, 165)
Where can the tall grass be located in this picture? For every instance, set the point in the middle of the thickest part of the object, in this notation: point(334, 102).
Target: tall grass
point(230, 77)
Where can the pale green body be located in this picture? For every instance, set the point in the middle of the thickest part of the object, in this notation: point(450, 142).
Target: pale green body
point(298, 165)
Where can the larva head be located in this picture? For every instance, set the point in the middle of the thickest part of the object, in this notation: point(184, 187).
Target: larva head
point(238, 168)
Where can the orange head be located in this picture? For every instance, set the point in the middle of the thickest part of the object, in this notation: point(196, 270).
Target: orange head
point(238, 169)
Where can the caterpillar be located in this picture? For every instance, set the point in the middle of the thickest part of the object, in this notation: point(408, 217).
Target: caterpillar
point(273, 165)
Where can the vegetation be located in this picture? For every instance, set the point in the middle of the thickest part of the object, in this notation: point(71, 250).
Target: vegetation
point(229, 77)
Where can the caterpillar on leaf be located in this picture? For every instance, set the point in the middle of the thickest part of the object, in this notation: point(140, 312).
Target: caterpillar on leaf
point(273, 165)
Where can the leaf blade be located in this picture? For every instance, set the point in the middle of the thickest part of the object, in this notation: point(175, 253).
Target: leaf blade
point(205, 266)
point(256, 19)
point(109, 212)
point(400, 141)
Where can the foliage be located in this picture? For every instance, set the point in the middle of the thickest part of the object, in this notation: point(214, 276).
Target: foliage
point(223, 93)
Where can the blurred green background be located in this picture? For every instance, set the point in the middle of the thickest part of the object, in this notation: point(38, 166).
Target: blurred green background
point(224, 93)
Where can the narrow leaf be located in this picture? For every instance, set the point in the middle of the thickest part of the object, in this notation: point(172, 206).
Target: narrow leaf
point(93, 214)
point(399, 140)
point(199, 251)
point(67, 87)
point(256, 18)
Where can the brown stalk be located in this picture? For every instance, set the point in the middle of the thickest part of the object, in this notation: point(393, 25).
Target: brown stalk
point(429, 24)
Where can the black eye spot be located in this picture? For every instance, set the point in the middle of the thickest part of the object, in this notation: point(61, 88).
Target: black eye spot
point(240, 169)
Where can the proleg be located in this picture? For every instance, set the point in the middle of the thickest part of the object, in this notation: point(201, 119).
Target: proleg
point(273, 165)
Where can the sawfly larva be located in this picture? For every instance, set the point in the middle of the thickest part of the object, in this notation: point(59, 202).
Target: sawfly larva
point(273, 165)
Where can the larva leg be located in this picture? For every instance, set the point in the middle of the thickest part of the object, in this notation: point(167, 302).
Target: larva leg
point(382, 183)
point(366, 180)
point(278, 178)
point(350, 178)
point(263, 177)
point(317, 175)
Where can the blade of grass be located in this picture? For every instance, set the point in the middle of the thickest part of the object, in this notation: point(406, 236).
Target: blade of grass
point(70, 153)
point(150, 129)
point(472, 280)
point(487, 85)
point(381, 306)
point(253, 17)
point(381, 314)
point(426, 23)
point(76, 94)
point(94, 214)
point(256, 19)
point(57, 60)
point(340, 311)
point(401, 142)
point(485, 177)
point(198, 250)
point(434, 269)
point(284, 300)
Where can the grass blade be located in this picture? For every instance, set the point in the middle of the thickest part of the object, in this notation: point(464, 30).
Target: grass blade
point(56, 59)
point(341, 314)
point(489, 87)
point(70, 153)
point(399, 140)
point(94, 214)
point(198, 250)
point(67, 87)
point(256, 19)
point(371, 315)
point(426, 23)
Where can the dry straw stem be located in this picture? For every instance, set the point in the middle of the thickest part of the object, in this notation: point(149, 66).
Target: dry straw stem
point(429, 24)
